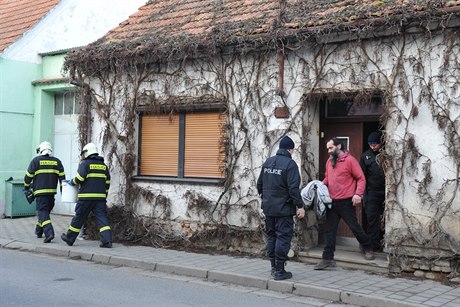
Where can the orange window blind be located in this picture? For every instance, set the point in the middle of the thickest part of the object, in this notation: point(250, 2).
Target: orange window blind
point(203, 153)
point(159, 145)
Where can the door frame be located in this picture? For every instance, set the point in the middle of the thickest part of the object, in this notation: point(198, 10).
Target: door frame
point(66, 144)
point(361, 122)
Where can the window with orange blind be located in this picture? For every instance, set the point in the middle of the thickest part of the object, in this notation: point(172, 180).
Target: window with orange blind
point(184, 145)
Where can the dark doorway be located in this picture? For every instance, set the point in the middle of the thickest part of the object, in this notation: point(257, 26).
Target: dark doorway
point(350, 117)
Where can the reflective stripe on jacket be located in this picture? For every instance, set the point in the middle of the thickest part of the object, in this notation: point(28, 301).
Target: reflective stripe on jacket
point(93, 177)
point(43, 175)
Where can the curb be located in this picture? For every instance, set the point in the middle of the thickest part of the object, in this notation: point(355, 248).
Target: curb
point(290, 287)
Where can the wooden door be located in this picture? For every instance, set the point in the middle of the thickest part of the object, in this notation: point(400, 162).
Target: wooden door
point(352, 133)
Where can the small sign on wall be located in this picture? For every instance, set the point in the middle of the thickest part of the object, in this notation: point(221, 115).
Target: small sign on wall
point(282, 112)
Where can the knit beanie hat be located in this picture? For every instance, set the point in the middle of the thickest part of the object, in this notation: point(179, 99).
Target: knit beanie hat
point(374, 138)
point(287, 143)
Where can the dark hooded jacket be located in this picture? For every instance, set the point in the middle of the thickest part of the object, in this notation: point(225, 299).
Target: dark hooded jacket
point(375, 178)
point(278, 184)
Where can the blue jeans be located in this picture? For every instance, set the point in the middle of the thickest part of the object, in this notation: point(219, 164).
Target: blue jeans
point(343, 209)
point(279, 230)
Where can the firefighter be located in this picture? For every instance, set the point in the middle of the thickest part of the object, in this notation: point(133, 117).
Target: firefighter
point(40, 182)
point(93, 180)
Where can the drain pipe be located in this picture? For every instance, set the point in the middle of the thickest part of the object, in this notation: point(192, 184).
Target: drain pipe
point(281, 72)
point(281, 112)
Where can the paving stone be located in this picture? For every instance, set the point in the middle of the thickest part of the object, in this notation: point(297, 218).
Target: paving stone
point(327, 288)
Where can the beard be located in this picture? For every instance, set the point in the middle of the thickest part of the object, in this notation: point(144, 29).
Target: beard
point(334, 156)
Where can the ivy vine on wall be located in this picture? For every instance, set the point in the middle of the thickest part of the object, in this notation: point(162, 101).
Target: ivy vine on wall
point(418, 86)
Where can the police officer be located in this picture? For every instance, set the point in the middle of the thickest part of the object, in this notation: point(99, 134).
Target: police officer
point(278, 184)
point(41, 179)
point(374, 197)
point(93, 178)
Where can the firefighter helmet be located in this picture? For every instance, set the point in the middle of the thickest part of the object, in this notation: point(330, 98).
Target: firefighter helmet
point(88, 150)
point(45, 148)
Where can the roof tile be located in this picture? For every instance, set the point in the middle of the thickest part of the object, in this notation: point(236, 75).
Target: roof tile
point(169, 17)
point(197, 17)
point(165, 25)
point(18, 16)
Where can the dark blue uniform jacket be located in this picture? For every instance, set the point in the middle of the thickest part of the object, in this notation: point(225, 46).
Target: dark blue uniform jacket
point(93, 177)
point(43, 174)
point(278, 183)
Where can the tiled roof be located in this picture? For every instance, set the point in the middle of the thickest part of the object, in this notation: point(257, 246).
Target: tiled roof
point(195, 17)
point(317, 13)
point(18, 16)
point(164, 29)
point(201, 17)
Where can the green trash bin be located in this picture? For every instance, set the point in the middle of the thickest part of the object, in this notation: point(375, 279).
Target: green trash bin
point(15, 202)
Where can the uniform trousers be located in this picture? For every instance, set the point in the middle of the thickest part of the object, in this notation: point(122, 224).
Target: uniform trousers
point(44, 205)
point(279, 230)
point(82, 209)
point(374, 207)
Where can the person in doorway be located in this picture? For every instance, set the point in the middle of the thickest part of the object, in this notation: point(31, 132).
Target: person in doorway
point(374, 196)
point(278, 184)
point(40, 182)
point(93, 178)
point(346, 183)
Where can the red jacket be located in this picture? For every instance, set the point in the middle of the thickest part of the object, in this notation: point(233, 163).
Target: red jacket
point(346, 179)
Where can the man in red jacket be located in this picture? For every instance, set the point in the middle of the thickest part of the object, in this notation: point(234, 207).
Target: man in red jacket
point(346, 183)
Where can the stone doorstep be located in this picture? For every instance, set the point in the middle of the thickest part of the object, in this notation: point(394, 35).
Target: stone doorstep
point(348, 258)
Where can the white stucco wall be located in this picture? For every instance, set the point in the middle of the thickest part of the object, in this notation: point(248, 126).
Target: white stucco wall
point(416, 204)
point(72, 23)
point(246, 173)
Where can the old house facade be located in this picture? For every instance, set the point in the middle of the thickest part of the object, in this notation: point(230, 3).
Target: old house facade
point(37, 102)
point(188, 98)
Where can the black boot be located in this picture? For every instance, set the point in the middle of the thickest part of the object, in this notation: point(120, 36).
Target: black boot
point(272, 261)
point(106, 245)
point(66, 239)
point(39, 230)
point(280, 273)
point(49, 235)
point(49, 238)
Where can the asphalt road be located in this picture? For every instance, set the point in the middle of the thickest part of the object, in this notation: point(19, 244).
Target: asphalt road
point(28, 279)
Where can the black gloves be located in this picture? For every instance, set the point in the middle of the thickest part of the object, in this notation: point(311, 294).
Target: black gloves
point(29, 195)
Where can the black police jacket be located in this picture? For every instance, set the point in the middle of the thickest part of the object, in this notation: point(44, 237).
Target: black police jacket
point(93, 177)
point(278, 184)
point(43, 174)
point(375, 177)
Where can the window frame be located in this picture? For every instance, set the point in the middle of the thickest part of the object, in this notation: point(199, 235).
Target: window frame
point(332, 102)
point(74, 102)
point(181, 112)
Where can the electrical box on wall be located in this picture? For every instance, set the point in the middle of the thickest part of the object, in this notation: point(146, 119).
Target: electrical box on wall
point(15, 201)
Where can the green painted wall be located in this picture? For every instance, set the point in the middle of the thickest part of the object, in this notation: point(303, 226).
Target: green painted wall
point(16, 119)
point(44, 97)
point(52, 66)
point(26, 113)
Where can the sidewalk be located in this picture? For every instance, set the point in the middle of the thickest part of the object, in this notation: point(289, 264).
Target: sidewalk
point(348, 286)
